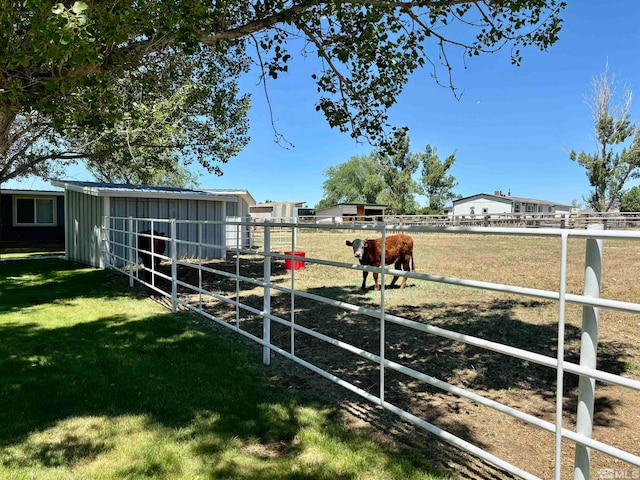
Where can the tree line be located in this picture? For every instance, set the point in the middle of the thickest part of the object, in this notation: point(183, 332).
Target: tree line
point(388, 177)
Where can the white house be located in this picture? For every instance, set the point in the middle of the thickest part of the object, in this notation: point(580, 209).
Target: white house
point(486, 204)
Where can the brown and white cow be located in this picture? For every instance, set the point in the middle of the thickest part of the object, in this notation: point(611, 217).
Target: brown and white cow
point(144, 248)
point(399, 251)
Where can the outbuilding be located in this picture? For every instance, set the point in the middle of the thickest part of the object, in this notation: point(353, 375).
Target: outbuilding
point(121, 208)
point(351, 212)
point(275, 211)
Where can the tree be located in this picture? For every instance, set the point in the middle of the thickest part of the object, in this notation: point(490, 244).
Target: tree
point(358, 180)
point(630, 201)
point(367, 51)
point(397, 166)
point(437, 184)
point(607, 169)
point(177, 174)
point(575, 203)
point(386, 177)
point(171, 112)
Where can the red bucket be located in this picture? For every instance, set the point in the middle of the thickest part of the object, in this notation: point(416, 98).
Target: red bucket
point(297, 264)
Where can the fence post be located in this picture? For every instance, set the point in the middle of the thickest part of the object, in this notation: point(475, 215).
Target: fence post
point(105, 243)
point(174, 268)
point(588, 353)
point(383, 251)
point(153, 256)
point(132, 241)
point(266, 321)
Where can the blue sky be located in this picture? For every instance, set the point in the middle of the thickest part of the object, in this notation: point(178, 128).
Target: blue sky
point(510, 130)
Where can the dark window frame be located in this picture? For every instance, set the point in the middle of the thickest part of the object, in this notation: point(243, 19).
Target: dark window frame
point(35, 222)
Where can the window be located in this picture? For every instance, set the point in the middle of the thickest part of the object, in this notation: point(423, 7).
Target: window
point(34, 211)
point(485, 210)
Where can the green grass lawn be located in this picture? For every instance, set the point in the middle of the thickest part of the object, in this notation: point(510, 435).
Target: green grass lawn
point(97, 382)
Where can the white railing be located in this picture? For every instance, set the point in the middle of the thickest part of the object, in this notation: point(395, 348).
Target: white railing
point(610, 220)
point(125, 231)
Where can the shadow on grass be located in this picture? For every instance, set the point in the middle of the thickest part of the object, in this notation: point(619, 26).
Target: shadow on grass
point(167, 368)
point(26, 283)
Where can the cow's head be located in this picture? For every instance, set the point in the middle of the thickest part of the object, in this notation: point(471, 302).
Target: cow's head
point(358, 247)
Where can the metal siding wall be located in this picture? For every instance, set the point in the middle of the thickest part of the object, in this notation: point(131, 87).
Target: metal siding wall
point(83, 227)
point(217, 231)
point(168, 209)
point(70, 225)
point(213, 211)
point(192, 231)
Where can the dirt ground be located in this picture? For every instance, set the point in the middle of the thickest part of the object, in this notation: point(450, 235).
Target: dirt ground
point(521, 322)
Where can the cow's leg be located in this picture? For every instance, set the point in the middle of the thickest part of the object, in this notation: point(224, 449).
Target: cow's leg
point(364, 279)
point(375, 281)
point(405, 267)
point(397, 266)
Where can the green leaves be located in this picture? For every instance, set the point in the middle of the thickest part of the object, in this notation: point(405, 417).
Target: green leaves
point(436, 182)
point(178, 107)
point(52, 54)
point(609, 168)
point(358, 180)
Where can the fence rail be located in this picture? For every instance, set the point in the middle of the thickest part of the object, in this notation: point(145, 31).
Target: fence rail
point(121, 236)
point(610, 220)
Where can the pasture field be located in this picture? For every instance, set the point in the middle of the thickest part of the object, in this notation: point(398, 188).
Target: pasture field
point(98, 382)
point(518, 321)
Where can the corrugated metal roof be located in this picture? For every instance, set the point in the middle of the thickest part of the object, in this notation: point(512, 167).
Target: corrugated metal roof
point(14, 191)
point(233, 191)
point(100, 189)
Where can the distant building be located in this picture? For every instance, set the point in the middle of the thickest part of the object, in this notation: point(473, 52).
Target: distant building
point(349, 212)
point(275, 211)
point(486, 204)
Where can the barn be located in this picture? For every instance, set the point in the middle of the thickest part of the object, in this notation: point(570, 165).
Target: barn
point(31, 220)
point(88, 204)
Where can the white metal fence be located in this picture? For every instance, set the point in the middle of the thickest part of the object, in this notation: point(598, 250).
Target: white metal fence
point(610, 220)
point(590, 301)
